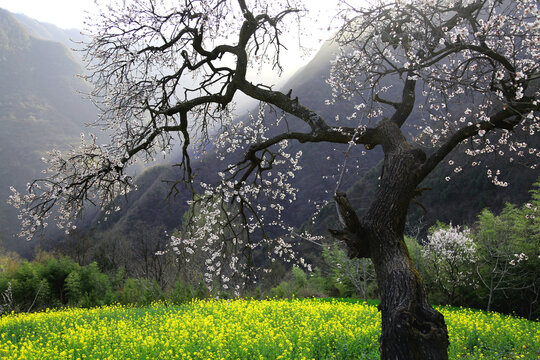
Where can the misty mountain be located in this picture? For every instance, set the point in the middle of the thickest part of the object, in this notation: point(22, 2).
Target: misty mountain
point(42, 107)
point(70, 38)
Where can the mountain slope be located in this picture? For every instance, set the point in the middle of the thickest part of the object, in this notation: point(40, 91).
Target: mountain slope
point(41, 107)
point(43, 31)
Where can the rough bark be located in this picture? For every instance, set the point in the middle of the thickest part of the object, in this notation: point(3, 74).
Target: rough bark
point(411, 328)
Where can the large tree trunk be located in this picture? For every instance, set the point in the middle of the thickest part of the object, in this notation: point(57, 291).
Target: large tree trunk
point(411, 328)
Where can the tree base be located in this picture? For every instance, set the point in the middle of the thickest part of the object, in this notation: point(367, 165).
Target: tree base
point(417, 334)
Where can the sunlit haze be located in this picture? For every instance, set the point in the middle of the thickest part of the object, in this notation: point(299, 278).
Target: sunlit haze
point(65, 14)
point(68, 14)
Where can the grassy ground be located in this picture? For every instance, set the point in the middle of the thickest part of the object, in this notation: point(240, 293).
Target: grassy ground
point(242, 329)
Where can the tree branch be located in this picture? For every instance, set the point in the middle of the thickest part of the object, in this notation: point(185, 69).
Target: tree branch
point(408, 96)
point(285, 103)
point(504, 119)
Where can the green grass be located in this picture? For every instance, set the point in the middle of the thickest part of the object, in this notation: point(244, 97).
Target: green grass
point(243, 329)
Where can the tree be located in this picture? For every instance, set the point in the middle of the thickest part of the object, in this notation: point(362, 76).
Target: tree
point(450, 257)
point(356, 272)
point(441, 54)
point(508, 246)
point(146, 243)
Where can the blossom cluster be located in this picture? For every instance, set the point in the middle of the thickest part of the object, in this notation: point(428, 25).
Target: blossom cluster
point(449, 252)
point(232, 220)
point(90, 173)
point(518, 258)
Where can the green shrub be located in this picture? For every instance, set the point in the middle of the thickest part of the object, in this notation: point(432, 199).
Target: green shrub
point(140, 292)
point(73, 288)
point(301, 285)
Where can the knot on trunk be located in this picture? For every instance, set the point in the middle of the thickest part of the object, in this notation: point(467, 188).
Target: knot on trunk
point(351, 234)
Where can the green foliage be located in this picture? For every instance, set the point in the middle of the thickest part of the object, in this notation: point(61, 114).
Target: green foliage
point(49, 282)
point(95, 286)
point(55, 272)
point(53, 282)
point(184, 293)
point(29, 290)
point(73, 288)
point(349, 277)
point(299, 284)
point(181, 293)
point(140, 292)
point(509, 247)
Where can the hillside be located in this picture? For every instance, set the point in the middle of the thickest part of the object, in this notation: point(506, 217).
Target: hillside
point(44, 31)
point(41, 107)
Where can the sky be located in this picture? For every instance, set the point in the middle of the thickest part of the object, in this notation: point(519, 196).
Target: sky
point(65, 14)
point(68, 14)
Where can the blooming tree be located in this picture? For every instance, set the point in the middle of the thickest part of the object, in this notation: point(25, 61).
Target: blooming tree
point(462, 72)
point(450, 257)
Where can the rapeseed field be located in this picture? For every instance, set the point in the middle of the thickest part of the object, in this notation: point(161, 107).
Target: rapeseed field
point(246, 329)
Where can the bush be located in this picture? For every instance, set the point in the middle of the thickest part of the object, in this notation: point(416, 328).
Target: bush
point(54, 283)
point(55, 272)
point(300, 285)
point(73, 288)
point(29, 290)
point(140, 292)
point(183, 293)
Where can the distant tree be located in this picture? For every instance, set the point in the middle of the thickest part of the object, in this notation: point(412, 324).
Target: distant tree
point(9, 260)
point(146, 242)
point(466, 69)
point(78, 245)
point(358, 273)
point(111, 252)
point(509, 257)
point(450, 259)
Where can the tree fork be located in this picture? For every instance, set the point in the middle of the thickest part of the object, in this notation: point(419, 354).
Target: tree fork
point(352, 234)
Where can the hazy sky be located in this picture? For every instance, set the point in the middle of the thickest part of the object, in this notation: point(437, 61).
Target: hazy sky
point(62, 13)
point(71, 14)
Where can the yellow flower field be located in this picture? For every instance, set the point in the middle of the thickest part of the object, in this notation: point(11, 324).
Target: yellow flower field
point(246, 329)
